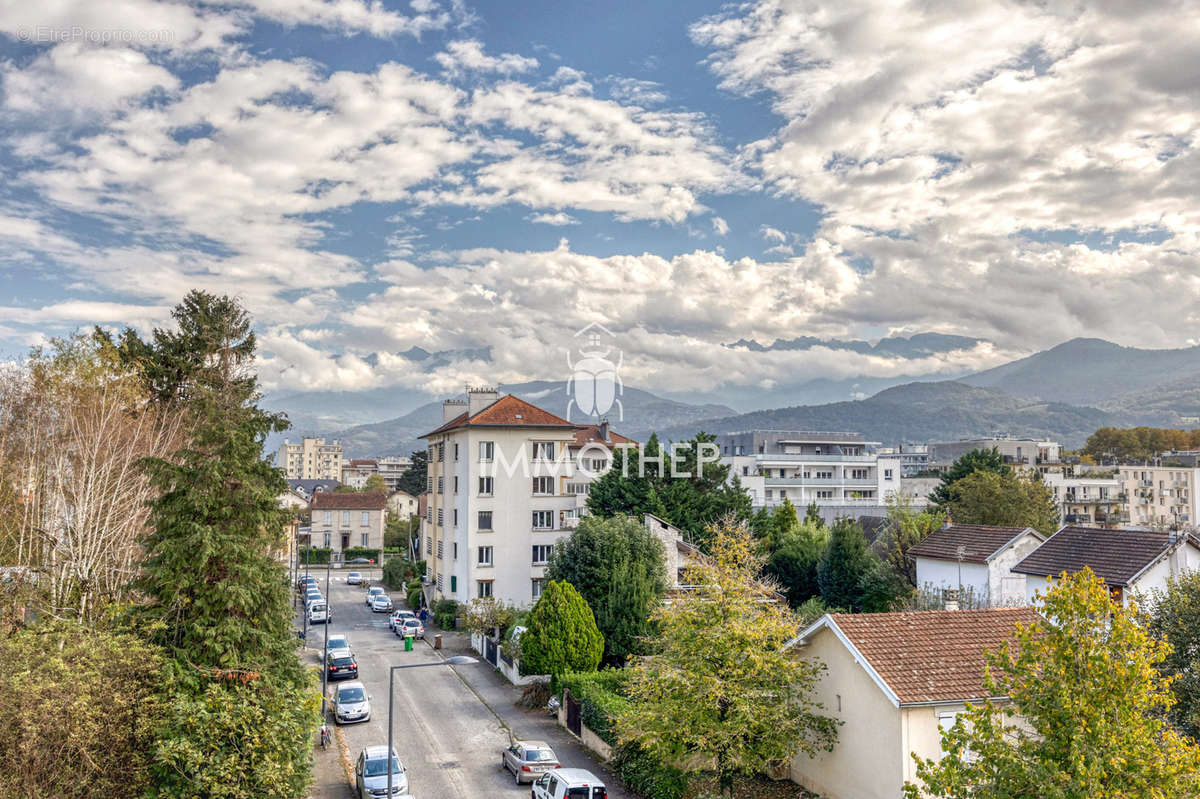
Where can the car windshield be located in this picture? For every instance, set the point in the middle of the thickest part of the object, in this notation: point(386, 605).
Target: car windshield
point(375, 590)
point(412, 623)
point(378, 768)
point(318, 608)
point(354, 694)
point(343, 661)
point(536, 755)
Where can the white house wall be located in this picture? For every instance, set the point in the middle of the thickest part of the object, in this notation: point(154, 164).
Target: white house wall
point(1006, 587)
point(941, 574)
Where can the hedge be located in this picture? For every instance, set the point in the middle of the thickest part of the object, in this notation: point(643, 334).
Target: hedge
point(360, 552)
point(314, 556)
point(445, 613)
point(642, 773)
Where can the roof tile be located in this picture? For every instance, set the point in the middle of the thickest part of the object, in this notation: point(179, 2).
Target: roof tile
point(1114, 555)
point(329, 500)
point(979, 542)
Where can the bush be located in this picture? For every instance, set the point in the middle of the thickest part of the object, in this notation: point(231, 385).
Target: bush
point(561, 634)
point(445, 613)
point(393, 574)
point(643, 774)
point(314, 556)
point(413, 594)
point(600, 698)
point(360, 552)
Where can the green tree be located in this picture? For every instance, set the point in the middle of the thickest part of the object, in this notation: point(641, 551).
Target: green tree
point(216, 596)
point(628, 487)
point(1175, 619)
point(719, 686)
point(793, 563)
point(82, 705)
point(843, 564)
point(977, 460)
point(812, 515)
point(343, 488)
point(400, 533)
point(412, 481)
point(1006, 500)
point(771, 525)
point(375, 484)
point(561, 633)
point(903, 530)
point(618, 567)
point(1086, 717)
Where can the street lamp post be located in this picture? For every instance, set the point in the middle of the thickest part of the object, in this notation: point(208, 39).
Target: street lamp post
point(307, 550)
point(457, 660)
point(325, 650)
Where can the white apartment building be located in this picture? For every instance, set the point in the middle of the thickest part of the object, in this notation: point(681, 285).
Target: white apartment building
point(1086, 495)
point(356, 471)
point(1015, 451)
point(840, 472)
point(503, 485)
point(311, 459)
point(391, 468)
point(1161, 496)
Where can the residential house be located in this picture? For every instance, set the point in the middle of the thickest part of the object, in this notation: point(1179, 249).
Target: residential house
point(976, 561)
point(1129, 561)
point(356, 471)
point(311, 459)
point(502, 487)
point(310, 488)
point(402, 505)
point(678, 553)
point(1085, 495)
point(391, 469)
point(840, 472)
point(342, 521)
point(292, 501)
point(1162, 495)
point(894, 681)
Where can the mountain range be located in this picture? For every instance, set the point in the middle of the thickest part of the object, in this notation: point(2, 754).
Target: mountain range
point(1063, 393)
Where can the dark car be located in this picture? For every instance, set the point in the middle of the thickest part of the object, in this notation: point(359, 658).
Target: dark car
point(360, 560)
point(340, 664)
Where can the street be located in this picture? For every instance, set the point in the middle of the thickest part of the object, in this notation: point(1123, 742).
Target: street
point(448, 739)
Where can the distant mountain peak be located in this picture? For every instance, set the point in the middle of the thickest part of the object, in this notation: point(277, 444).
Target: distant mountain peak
point(917, 345)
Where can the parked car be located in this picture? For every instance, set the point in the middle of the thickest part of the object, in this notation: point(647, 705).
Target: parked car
point(528, 760)
point(360, 560)
point(313, 596)
point(371, 773)
point(411, 627)
point(354, 578)
point(372, 591)
point(340, 664)
point(568, 783)
point(382, 603)
point(398, 618)
point(351, 703)
point(338, 641)
point(319, 613)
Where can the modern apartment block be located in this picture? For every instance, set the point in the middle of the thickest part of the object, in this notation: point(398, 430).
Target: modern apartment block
point(342, 521)
point(1161, 495)
point(1086, 495)
point(311, 459)
point(1016, 451)
point(840, 472)
point(504, 483)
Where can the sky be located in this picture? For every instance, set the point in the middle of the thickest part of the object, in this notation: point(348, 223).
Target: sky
point(484, 180)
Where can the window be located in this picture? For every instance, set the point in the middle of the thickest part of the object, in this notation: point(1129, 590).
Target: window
point(541, 553)
point(441, 521)
point(485, 556)
point(543, 450)
point(543, 519)
point(428, 545)
point(345, 518)
point(366, 539)
point(858, 474)
point(456, 550)
point(543, 485)
point(429, 515)
point(439, 582)
point(456, 484)
point(456, 453)
point(887, 474)
point(538, 585)
point(827, 494)
point(577, 488)
point(441, 551)
point(745, 471)
point(441, 452)
point(328, 540)
point(485, 588)
point(453, 584)
point(485, 520)
point(770, 493)
point(329, 517)
point(487, 450)
point(485, 486)
point(441, 485)
point(456, 517)
point(824, 475)
point(599, 464)
point(366, 519)
point(428, 484)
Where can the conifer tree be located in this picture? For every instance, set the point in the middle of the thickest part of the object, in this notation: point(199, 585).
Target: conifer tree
point(561, 633)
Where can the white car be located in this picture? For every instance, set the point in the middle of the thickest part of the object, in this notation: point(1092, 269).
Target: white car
point(319, 613)
point(381, 603)
point(411, 627)
point(398, 618)
point(338, 641)
point(568, 783)
point(372, 591)
point(354, 578)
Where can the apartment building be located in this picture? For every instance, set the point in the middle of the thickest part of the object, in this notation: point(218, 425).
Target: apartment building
point(311, 459)
point(1161, 495)
point(505, 481)
point(342, 521)
point(356, 471)
point(391, 469)
point(840, 472)
point(1086, 495)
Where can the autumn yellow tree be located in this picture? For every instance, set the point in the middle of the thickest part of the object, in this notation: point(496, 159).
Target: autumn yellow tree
point(1086, 717)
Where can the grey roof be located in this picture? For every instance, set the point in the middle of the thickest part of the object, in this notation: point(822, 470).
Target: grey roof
point(1117, 556)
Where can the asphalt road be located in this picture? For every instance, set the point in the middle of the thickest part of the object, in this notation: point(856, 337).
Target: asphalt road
point(448, 740)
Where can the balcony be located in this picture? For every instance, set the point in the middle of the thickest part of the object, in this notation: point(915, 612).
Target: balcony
point(770, 458)
point(1077, 518)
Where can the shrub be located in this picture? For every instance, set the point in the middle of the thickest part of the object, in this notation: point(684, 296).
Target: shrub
point(646, 776)
point(393, 574)
point(413, 594)
point(360, 552)
point(600, 697)
point(445, 613)
point(562, 634)
point(314, 556)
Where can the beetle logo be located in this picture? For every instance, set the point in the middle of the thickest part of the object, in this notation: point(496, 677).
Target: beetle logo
point(594, 385)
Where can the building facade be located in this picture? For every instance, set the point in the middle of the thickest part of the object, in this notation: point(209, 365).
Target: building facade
point(1161, 496)
point(504, 483)
point(342, 521)
point(1015, 451)
point(311, 459)
point(840, 472)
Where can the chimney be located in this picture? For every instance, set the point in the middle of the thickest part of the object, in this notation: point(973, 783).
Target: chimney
point(604, 430)
point(480, 398)
point(452, 408)
point(951, 595)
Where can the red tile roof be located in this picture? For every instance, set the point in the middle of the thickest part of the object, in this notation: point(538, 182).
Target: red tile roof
point(508, 411)
point(979, 542)
point(931, 655)
point(328, 500)
point(590, 434)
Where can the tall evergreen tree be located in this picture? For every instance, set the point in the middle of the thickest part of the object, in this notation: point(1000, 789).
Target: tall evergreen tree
point(412, 480)
point(843, 565)
point(977, 460)
point(561, 633)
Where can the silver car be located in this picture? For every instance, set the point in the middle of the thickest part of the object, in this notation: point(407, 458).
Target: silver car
point(382, 603)
point(370, 773)
point(354, 578)
point(372, 591)
point(351, 703)
point(528, 760)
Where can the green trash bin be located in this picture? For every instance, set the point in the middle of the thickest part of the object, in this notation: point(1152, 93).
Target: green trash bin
point(408, 639)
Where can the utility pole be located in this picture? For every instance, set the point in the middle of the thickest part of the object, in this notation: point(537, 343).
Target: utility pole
point(325, 651)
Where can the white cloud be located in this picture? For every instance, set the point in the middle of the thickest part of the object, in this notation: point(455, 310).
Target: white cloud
point(720, 226)
point(467, 56)
point(77, 78)
point(637, 92)
point(554, 219)
point(772, 234)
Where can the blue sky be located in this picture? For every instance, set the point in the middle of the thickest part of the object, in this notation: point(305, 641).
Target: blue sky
point(371, 177)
